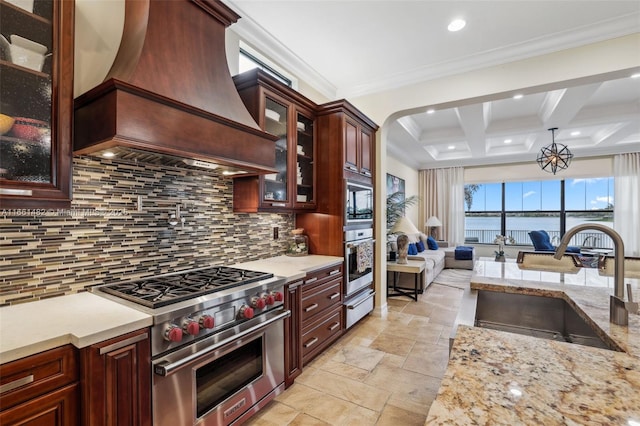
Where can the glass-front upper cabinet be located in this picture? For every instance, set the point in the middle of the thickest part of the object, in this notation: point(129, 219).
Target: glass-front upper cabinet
point(36, 82)
point(285, 113)
point(276, 122)
point(305, 166)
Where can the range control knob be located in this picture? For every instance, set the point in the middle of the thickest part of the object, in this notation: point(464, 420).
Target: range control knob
point(269, 299)
point(258, 302)
point(246, 312)
point(206, 321)
point(173, 333)
point(191, 327)
point(278, 296)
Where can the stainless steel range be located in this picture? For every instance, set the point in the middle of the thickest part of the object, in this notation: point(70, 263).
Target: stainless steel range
point(217, 342)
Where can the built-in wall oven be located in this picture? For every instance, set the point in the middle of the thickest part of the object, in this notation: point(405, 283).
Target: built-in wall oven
point(359, 261)
point(359, 204)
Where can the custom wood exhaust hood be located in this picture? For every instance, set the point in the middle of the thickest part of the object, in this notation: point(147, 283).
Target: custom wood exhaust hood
point(169, 93)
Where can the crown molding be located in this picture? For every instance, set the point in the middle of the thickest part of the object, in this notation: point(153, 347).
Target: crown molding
point(252, 33)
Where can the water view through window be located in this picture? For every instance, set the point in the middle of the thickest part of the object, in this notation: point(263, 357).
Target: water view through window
point(515, 208)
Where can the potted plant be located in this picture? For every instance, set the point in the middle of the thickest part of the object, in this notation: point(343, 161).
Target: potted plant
point(396, 206)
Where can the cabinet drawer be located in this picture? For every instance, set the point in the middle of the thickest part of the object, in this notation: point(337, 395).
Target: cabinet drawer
point(323, 275)
point(57, 408)
point(321, 332)
point(29, 377)
point(320, 297)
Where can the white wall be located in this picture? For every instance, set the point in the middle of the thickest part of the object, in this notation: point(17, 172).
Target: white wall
point(98, 32)
point(410, 176)
point(579, 168)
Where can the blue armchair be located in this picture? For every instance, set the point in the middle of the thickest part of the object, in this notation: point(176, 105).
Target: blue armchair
point(542, 242)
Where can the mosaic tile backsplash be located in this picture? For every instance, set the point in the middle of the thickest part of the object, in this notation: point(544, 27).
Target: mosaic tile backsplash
point(105, 237)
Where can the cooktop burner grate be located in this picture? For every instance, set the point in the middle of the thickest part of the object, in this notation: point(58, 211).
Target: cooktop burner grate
point(155, 292)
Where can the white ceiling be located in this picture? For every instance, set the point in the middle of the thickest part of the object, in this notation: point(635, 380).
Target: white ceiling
point(351, 48)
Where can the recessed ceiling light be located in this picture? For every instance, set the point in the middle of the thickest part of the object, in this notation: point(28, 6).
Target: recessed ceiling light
point(108, 154)
point(576, 133)
point(431, 111)
point(637, 75)
point(456, 25)
point(518, 96)
point(451, 147)
point(508, 141)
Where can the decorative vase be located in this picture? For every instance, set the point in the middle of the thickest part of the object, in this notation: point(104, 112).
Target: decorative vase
point(403, 249)
point(500, 258)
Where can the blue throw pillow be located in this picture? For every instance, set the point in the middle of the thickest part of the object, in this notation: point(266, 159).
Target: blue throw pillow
point(420, 246)
point(432, 244)
point(541, 241)
point(412, 249)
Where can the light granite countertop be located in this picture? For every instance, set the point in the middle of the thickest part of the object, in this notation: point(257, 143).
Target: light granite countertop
point(83, 319)
point(291, 267)
point(499, 378)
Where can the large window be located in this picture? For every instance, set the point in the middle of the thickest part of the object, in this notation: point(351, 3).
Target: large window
point(248, 61)
point(515, 208)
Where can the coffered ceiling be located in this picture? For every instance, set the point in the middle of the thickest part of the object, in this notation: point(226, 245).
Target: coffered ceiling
point(349, 48)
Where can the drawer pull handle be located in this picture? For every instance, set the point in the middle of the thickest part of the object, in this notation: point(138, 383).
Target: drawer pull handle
point(334, 295)
point(311, 307)
point(334, 326)
point(311, 342)
point(355, 169)
point(16, 383)
point(124, 343)
point(310, 280)
point(335, 271)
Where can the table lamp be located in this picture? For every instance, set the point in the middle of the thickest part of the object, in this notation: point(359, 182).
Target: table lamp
point(404, 227)
point(433, 223)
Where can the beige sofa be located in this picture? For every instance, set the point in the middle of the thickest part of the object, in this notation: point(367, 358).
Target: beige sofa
point(435, 262)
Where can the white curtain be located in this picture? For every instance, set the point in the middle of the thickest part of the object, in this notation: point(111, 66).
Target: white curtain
point(442, 195)
point(626, 211)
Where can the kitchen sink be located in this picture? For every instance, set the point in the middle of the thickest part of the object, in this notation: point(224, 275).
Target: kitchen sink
point(537, 316)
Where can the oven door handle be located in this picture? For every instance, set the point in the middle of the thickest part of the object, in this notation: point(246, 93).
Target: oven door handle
point(361, 300)
point(165, 369)
point(356, 244)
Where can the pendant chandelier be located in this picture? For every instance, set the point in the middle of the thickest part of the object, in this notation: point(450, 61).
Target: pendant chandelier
point(554, 157)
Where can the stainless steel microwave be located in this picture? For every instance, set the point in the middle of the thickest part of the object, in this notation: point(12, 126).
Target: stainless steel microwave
point(359, 203)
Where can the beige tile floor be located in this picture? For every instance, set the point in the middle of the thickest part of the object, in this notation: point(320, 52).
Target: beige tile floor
point(384, 371)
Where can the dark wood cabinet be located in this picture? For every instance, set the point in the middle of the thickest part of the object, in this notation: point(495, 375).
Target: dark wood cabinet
point(321, 311)
point(353, 132)
point(283, 112)
point(116, 381)
point(36, 106)
point(41, 389)
point(292, 332)
point(346, 150)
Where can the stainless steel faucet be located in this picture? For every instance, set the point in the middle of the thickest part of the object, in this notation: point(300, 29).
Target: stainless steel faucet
point(618, 310)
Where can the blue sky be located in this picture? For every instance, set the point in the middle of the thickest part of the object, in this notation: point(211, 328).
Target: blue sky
point(580, 194)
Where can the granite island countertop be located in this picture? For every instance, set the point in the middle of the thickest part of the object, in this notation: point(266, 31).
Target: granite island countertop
point(500, 378)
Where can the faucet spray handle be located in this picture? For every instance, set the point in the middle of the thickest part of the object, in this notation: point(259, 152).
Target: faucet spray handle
point(631, 306)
